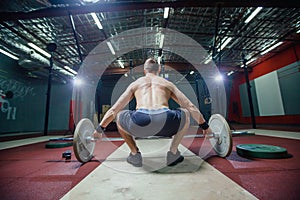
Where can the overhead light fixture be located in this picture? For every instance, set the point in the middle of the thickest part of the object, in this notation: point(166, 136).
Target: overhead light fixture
point(121, 64)
point(250, 61)
point(97, 21)
point(90, 1)
point(228, 39)
point(66, 72)
point(230, 73)
point(110, 48)
point(48, 55)
point(298, 31)
point(253, 14)
point(9, 54)
point(192, 72)
point(159, 60)
point(162, 37)
point(207, 60)
point(70, 69)
point(126, 75)
point(102, 15)
point(166, 12)
point(271, 48)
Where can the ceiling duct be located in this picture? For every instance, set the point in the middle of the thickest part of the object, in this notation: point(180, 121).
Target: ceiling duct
point(29, 52)
point(33, 61)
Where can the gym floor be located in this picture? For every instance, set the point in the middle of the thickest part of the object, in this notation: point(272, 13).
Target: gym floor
point(31, 171)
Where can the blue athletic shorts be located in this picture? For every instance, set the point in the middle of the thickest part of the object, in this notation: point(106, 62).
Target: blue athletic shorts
point(144, 123)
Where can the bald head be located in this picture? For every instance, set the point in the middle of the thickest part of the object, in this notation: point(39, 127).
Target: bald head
point(151, 66)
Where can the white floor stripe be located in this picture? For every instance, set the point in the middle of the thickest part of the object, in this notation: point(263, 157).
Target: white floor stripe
point(275, 133)
point(116, 179)
point(18, 134)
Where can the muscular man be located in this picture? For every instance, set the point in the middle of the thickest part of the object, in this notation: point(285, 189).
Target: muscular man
point(152, 116)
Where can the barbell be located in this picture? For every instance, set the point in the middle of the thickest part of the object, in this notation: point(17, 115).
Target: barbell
point(84, 143)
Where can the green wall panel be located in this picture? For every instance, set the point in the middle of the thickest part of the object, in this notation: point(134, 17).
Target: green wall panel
point(289, 81)
point(25, 112)
point(244, 99)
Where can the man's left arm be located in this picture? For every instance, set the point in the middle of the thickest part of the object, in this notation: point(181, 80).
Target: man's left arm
point(184, 102)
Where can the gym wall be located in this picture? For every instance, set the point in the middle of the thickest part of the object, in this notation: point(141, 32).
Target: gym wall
point(274, 89)
point(25, 112)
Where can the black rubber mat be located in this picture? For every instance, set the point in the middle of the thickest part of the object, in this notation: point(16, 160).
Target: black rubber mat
point(51, 145)
point(261, 151)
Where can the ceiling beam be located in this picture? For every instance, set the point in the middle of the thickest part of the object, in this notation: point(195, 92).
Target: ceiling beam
point(180, 67)
point(122, 6)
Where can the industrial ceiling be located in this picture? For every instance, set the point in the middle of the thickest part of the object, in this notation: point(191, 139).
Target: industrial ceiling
point(72, 26)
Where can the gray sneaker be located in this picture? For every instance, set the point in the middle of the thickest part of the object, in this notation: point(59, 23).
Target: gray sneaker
point(174, 159)
point(136, 160)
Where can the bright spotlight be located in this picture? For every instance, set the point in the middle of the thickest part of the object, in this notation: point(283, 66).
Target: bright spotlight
point(219, 77)
point(78, 82)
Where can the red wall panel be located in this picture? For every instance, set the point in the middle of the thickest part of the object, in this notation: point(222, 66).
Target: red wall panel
point(273, 63)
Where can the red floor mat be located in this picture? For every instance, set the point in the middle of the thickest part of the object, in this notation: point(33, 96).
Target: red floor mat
point(265, 178)
point(34, 172)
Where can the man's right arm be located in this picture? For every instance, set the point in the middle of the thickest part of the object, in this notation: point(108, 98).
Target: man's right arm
point(123, 100)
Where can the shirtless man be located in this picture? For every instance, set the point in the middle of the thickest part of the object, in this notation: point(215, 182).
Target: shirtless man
point(152, 115)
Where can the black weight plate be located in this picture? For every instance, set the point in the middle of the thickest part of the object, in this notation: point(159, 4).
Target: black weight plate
point(261, 151)
point(52, 145)
point(61, 139)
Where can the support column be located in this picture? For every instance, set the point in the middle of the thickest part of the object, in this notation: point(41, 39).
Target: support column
point(50, 47)
point(249, 92)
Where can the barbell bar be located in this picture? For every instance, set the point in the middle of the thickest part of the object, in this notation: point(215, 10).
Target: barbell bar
point(84, 143)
